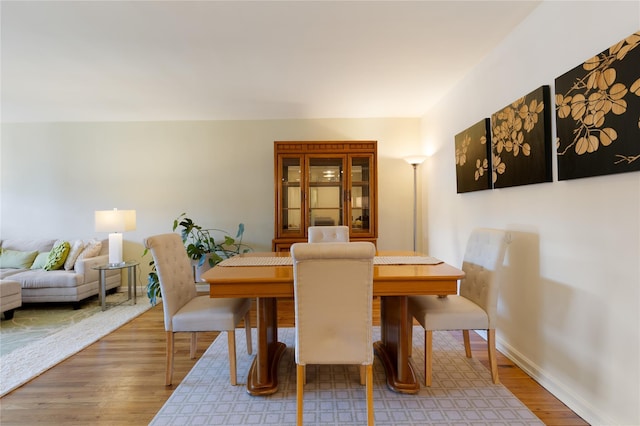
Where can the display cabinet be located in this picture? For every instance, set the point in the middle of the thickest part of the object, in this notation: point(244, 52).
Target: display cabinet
point(323, 184)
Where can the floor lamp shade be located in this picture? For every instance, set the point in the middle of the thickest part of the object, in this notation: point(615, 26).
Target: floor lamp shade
point(115, 222)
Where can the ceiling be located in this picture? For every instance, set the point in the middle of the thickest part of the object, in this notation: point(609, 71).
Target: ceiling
point(216, 60)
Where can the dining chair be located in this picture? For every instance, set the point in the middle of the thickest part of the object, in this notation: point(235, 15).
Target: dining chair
point(475, 305)
point(328, 234)
point(333, 291)
point(185, 311)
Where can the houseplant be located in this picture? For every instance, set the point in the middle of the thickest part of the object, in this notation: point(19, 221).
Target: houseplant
point(209, 245)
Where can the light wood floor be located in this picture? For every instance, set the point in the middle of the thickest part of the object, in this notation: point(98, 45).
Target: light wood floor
point(120, 379)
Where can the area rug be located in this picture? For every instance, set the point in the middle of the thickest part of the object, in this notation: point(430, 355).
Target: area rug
point(461, 393)
point(34, 321)
point(34, 345)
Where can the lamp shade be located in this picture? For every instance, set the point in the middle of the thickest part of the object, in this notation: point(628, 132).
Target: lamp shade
point(115, 220)
point(415, 160)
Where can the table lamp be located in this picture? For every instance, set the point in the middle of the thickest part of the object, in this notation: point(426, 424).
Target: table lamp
point(115, 222)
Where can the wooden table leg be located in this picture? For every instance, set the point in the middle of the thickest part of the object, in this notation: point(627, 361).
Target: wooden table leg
point(393, 348)
point(263, 374)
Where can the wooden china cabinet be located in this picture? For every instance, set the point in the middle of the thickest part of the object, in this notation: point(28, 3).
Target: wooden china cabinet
point(325, 183)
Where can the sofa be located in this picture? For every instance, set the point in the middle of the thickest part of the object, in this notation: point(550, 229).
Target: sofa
point(45, 276)
point(10, 297)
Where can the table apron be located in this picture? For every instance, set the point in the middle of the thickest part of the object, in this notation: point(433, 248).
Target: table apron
point(380, 288)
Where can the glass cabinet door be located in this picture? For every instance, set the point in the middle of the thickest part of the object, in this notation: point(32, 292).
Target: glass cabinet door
point(360, 196)
point(326, 191)
point(291, 199)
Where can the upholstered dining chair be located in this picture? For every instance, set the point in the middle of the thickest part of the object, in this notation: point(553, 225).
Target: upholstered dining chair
point(184, 310)
point(328, 234)
point(333, 291)
point(475, 305)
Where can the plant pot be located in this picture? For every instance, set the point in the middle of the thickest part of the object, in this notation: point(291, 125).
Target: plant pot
point(199, 270)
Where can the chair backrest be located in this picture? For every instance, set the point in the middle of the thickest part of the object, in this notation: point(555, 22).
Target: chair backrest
point(483, 259)
point(175, 273)
point(328, 234)
point(333, 288)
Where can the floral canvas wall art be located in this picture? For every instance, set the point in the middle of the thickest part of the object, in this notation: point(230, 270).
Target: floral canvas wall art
point(472, 158)
point(598, 113)
point(521, 141)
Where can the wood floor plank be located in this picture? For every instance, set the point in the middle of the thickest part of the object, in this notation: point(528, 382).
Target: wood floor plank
point(119, 380)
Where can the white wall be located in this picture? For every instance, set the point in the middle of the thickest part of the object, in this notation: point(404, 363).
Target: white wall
point(54, 175)
point(570, 299)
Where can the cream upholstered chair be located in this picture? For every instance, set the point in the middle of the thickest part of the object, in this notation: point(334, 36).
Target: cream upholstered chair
point(184, 310)
point(333, 290)
point(474, 308)
point(328, 234)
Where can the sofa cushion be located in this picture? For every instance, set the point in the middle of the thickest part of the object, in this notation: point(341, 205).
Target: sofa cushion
point(39, 278)
point(57, 256)
point(5, 273)
point(92, 249)
point(76, 249)
point(41, 260)
point(17, 259)
point(28, 245)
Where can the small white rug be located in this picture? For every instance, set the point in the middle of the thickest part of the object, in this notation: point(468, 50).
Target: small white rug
point(461, 392)
point(23, 364)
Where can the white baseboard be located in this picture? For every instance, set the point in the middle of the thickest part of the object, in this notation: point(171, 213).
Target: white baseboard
point(578, 405)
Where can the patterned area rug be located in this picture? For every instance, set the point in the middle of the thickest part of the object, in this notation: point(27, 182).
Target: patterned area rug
point(38, 338)
point(461, 392)
point(35, 321)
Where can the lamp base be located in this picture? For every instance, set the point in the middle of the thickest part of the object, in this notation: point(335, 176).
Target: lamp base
point(115, 249)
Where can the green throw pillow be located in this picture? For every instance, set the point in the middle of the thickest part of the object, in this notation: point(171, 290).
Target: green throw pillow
point(57, 256)
point(41, 260)
point(17, 259)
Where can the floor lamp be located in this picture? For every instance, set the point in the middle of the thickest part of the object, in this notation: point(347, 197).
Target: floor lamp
point(415, 161)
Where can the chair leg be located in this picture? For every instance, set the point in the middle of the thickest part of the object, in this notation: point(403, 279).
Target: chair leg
point(493, 361)
point(169, 367)
point(299, 393)
point(428, 347)
point(247, 332)
point(467, 343)
point(194, 345)
point(370, 420)
point(231, 339)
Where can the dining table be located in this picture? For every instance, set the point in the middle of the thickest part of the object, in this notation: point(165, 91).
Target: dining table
point(267, 276)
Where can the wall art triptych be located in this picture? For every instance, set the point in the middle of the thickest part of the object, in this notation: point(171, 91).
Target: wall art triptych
point(597, 107)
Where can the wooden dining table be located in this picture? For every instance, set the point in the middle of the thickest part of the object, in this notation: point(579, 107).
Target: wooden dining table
point(267, 276)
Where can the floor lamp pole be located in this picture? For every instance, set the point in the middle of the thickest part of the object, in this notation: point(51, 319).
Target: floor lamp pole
point(415, 161)
point(415, 204)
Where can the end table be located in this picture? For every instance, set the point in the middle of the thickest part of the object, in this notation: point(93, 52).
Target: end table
point(131, 266)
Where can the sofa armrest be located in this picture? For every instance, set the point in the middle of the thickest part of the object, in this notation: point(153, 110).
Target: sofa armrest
point(85, 267)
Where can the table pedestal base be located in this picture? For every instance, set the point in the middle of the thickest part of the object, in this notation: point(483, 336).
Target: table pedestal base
point(263, 374)
point(411, 386)
point(254, 385)
point(393, 349)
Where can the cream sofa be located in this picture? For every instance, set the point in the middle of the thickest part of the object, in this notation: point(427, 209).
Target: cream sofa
point(73, 284)
point(10, 297)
